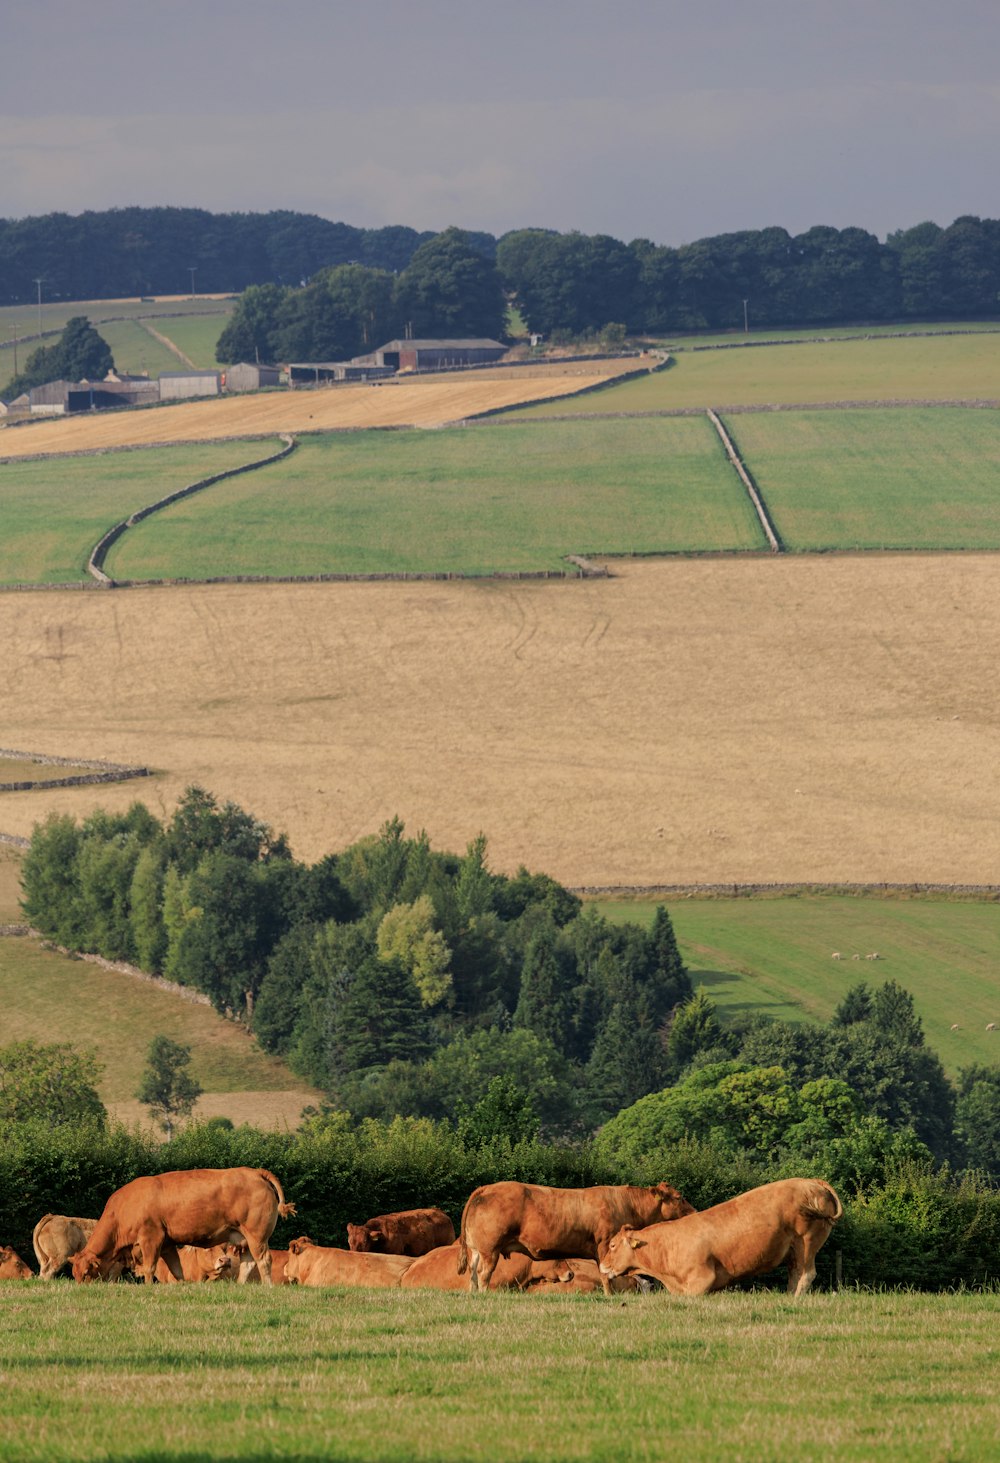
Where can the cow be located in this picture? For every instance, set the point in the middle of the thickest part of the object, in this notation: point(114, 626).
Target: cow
point(310, 1264)
point(12, 1267)
point(509, 1217)
point(574, 1277)
point(785, 1222)
point(198, 1265)
point(198, 1206)
point(438, 1270)
point(250, 1275)
point(57, 1238)
point(410, 1232)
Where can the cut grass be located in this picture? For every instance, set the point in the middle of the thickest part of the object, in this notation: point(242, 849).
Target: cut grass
point(136, 351)
point(773, 957)
point(196, 336)
point(247, 1373)
point(917, 368)
point(55, 512)
point(897, 479)
point(473, 501)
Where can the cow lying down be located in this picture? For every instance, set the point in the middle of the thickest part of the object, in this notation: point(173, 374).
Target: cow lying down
point(12, 1267)
point(310, 1264)
point(786, 1222)
point(407, 1232)
point(438, 1270)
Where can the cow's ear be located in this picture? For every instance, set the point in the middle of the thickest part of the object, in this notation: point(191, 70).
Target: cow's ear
point(636, 1244)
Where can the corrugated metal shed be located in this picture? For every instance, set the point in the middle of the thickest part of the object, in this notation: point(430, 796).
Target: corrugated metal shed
point(177, 385)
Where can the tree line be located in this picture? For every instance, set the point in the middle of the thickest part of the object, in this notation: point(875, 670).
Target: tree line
point(405, 981)
point(568, 285)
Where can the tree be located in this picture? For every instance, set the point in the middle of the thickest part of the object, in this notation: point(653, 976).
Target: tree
point(504, 1111)
point(407, 934)
point(166, 1086)
point(54, 1083)
point(79, 354)
point(252, 331)
point(449, 289)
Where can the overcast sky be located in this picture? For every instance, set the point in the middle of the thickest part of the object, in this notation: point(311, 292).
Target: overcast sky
point(663, 119)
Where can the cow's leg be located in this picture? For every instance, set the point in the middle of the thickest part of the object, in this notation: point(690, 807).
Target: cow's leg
point(602, 1249)
point(481, 1267)
point(149, 1241)
point(262, 1255)
point(802, 1262)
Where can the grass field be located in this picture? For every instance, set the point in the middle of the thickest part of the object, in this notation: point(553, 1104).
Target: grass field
point(914, 479)
point(500, 498)
point(783, 719)
point(773, 957)
point(933, 368)
point(53, 516)
point(196, 336)
point(220, 1371)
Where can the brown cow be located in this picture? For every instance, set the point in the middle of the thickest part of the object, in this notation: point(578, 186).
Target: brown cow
point(438, 1270)
point(198, 1206)
point(12, 1267)
point(503, 1218)
point(57, 1238)
point(250, 1275)
point(409, 1232)
point(788, 1221)
point(198, 1265)
point(574, 1277)
point(310, 1264)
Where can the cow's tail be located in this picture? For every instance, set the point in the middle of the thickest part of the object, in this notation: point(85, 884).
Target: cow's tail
point(463, 1253)
point(285, 1210)
point(823, 1203)
point(34, 1239)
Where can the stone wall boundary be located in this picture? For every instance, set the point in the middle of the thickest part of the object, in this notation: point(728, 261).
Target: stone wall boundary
point(101, 771)
point(99, 552)
point(748, 483)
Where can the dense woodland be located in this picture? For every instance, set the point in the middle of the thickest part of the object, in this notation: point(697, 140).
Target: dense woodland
point(563, 284)
point(404, 981)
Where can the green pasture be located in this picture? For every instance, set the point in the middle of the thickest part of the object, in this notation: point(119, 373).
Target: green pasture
point(896, 478)
point(135, 351)
point(912, 368)
point(773, 956)
point(48, 997)
point(207, 319)
point(196, 336)
point(56, 509)
point(474, 500)
point(736, 338)
point(163, 1373)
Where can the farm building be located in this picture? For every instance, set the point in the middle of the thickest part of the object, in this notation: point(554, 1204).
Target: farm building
point(177, 385)
point(250, 376)
point(63, 398)
point(312, 373)
point(436, 355)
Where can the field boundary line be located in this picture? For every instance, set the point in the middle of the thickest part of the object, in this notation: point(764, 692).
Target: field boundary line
point(165, 341)
point(100, 550)
point(747, 481)
point(727, 890)
point(101, 771)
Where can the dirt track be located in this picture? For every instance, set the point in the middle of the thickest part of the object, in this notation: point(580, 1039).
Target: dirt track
point(686, 721)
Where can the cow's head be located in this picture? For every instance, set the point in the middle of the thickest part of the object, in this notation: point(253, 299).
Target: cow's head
point(12, 1267)
point(357, 1237)
point(296, 1249)
point(673, 1205)
point(620, 1255)
point(86, 1267)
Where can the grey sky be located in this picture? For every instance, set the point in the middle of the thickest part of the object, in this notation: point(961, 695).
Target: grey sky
point(664, 119)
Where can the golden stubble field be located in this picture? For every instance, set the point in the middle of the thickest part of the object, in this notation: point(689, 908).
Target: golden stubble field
point(424, 401)
point(688, 721)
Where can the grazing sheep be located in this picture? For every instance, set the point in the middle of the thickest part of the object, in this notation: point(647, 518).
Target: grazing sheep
point(836, 955)
point(873, 956)
point(992, 1026)
point(955, 1026)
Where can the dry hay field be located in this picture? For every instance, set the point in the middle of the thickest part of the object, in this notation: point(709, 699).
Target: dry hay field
point(706, 720)
point(424, 401)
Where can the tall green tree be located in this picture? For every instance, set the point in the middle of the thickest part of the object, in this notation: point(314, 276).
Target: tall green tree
point(166, 1087)
point(450, 290)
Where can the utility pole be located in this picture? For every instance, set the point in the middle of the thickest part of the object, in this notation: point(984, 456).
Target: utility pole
point(746, 322)
point(192, 270)
point(13, 331)
point(39, 282)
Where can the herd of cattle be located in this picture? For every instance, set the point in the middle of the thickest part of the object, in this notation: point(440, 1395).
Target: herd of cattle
point(212, 1224)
